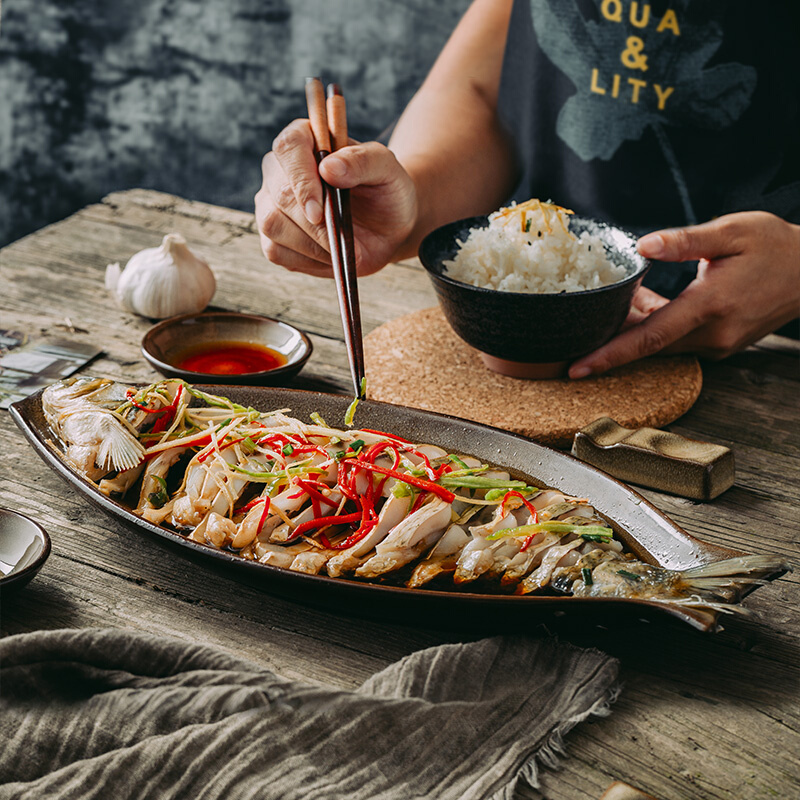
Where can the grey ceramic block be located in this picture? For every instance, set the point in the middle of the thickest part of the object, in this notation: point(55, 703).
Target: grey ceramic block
point(657, 459)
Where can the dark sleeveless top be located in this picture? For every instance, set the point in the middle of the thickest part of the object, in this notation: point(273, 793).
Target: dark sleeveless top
point(655, 114)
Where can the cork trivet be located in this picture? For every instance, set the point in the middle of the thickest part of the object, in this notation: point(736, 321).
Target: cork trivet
point(418, 361)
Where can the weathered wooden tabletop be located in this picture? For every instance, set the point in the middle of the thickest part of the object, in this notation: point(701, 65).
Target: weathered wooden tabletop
point(700, 716)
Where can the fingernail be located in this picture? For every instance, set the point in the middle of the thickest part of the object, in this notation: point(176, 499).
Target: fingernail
point(335, 167)
point(576, 373)
point(651, 246)
point(313, 212)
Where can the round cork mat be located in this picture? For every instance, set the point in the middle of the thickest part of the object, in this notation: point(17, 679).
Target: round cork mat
point(418, 361)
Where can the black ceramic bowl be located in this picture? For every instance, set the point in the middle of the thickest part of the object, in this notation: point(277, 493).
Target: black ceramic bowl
point(24, 547)
point(533, 335)
point(167, 343)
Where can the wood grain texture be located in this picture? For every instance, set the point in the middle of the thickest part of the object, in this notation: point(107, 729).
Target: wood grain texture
point(699, 718)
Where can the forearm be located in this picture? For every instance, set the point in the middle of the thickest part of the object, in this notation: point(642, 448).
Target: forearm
point(449, 139)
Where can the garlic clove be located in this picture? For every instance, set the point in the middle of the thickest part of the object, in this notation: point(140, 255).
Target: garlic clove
point(113, 271)
point(163, 281)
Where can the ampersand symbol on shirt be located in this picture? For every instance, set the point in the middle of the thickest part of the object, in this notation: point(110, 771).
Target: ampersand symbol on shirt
point(632, 57)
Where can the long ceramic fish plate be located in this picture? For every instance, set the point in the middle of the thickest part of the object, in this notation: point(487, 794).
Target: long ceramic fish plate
point(644, 531)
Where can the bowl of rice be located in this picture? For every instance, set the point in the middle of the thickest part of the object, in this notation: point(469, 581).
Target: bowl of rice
point(532, 286)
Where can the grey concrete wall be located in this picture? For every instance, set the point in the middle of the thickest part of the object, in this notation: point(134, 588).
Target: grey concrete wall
point(186, 95)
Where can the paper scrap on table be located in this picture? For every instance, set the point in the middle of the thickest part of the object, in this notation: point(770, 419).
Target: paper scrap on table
point(30, 367)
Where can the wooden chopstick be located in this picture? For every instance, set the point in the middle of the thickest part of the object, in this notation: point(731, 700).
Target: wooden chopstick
point(337, 124)
point(338, 222)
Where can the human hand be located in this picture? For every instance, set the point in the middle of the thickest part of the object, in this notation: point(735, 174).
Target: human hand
point(747, 285)
point(289, 210)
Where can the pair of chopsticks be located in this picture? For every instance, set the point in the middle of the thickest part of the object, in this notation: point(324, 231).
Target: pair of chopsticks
point(329, 126)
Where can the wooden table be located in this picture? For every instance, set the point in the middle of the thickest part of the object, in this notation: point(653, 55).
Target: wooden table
point(711, 716)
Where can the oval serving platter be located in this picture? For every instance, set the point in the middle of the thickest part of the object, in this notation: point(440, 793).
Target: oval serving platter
point(651, 535)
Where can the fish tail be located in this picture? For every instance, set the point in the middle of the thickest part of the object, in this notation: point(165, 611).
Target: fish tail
point(732, 574)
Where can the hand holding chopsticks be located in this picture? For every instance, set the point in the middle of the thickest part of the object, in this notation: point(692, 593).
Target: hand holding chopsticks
point(329, 125)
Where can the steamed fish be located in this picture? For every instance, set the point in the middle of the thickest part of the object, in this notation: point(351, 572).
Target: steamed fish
point(308, 497)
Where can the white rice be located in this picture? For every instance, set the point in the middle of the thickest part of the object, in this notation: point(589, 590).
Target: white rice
point(546, 258)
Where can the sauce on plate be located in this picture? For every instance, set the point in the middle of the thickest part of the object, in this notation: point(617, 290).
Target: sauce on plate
point(230, 358)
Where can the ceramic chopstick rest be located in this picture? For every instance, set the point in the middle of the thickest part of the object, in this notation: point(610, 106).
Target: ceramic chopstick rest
point(657, 459)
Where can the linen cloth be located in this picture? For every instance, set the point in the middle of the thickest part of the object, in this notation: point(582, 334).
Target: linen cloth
point(108, 713)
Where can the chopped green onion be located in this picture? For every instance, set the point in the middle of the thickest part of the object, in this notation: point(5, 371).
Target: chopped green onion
point(351, 412)
point(216, 401)
point(468, 471)
point(629, 575)
point(402, 490)
point(356, 445)
point(498, 495)
point(552, 527)
point(283, 473)
point(287, 449)
point(248, 445)
point(158, 498)
point(586, 574)
point(479, 482)
point(528, 225)
point(590, 536)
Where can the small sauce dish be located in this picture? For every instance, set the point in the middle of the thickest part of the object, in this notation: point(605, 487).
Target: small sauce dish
point(24, 547)
point(227, 347)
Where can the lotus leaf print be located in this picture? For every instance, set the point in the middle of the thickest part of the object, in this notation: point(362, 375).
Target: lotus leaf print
point(633, 69)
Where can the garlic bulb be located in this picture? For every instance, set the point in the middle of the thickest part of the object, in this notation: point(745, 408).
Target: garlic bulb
point(163, 281)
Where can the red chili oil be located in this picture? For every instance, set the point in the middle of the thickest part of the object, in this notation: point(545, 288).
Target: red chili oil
point(230, 358)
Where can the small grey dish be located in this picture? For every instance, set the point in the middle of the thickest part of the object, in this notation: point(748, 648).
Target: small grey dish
point(167, 342)
point(533, 335)
point(24, 547)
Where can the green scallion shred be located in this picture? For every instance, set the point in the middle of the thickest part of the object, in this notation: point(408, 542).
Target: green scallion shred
point(217, 401)
point(248, 445)
point(498, 495)
point(468, 471)
point(402, 490)
point(283, 473)
point(317, 419)
point(552, 527)
point(158, 498)
point(586, 574)
point(629, 575)
point(351, 412)
point(456, 460)
point(597, 537)
point(479, 482)
point(356, 445)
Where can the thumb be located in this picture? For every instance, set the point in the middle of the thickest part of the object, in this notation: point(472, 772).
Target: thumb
point(711, 240)
point(368, 164)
